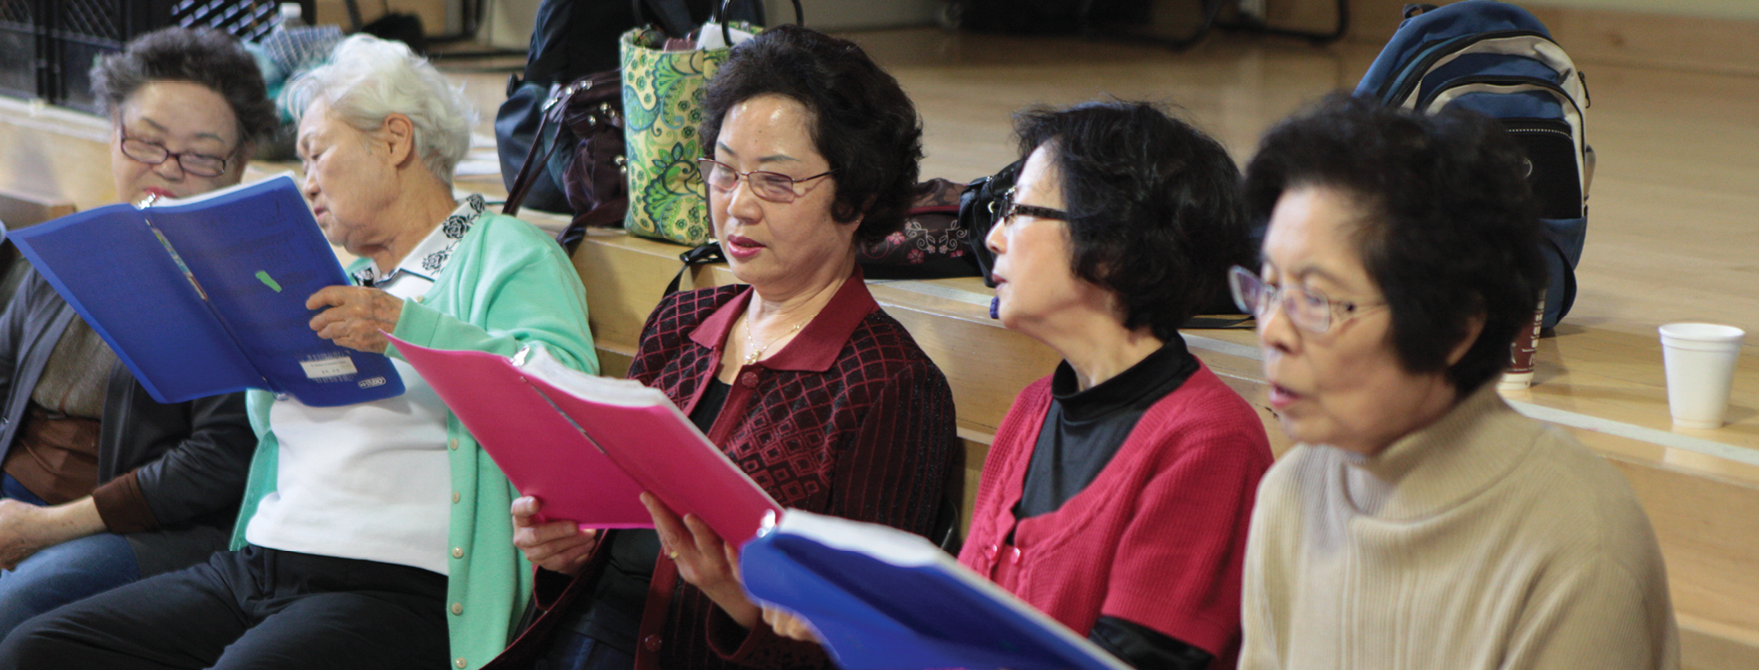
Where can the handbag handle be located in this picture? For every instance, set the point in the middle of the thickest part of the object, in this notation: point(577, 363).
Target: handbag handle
point(720, 11)
point(528, 168)
point(548, 114)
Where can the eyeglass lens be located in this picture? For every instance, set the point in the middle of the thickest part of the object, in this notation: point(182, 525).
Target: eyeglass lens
point(1307, 310)
point(772, 186)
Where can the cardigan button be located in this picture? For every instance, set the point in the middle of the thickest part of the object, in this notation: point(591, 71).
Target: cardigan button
point(990, 551)
point(458, 552)
point(459, 663)
point(452, 444)
point(456, 497)
point(457, 609)
point(748, 380)
point(652, 642)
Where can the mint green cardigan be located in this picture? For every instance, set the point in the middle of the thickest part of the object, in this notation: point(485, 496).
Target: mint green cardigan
point(507, 285)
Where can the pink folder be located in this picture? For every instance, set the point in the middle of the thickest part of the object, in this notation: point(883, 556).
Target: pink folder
point(587, 446)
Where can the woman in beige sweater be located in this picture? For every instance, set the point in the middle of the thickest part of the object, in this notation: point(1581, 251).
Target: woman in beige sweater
point(1420, 522)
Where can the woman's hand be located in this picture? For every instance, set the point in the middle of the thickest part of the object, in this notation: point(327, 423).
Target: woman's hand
point(789, 626)
point(703, 559)
point(26, 529)
point(356, 316)
point(557, 546)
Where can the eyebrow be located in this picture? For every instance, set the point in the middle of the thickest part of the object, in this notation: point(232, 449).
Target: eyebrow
point(722, 148)
point(199, 136)
point(1304, 272)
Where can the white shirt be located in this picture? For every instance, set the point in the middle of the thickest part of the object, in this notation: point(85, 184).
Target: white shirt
point(371, 480)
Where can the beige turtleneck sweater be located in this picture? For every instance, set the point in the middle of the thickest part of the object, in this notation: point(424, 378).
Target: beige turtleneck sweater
point(1486, 540)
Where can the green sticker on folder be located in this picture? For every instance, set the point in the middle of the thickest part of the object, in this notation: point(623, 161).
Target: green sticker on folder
point(268, 281)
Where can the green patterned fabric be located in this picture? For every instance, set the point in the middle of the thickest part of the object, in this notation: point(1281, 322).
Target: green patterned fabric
point(662, 106)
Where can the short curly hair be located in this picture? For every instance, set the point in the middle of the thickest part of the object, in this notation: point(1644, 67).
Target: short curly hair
point(1449, 230)
point(862, 122)
point(1154, 206)
point(208, 57)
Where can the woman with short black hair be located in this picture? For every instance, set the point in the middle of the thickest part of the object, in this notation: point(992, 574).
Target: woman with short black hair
point(1116, 494)
point(102, 485)
point(1117, 490)
point(1420, 521)
point(795, 373)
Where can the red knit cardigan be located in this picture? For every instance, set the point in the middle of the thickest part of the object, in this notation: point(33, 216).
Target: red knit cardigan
point(1158, 538)
point(851, 418)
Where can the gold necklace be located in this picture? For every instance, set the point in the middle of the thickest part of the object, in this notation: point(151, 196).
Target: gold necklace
point(758, 351)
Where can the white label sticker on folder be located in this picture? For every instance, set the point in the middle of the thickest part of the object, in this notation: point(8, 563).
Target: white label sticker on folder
point(328, 367)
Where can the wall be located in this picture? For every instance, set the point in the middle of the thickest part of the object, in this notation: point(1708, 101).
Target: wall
point(1727, 9)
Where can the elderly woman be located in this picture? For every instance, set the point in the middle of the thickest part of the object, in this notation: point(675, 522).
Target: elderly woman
point(1117, 492)
point(797, 375)
point(103, 486)
point(1420, 522)
point(359, 537)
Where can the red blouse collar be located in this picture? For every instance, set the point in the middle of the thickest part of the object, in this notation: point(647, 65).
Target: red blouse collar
point(817, 345)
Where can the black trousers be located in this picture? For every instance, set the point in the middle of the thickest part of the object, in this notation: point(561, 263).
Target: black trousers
point(255, 608)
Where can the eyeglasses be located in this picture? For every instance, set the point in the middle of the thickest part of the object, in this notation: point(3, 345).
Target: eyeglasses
point(1005, 209)
point(153, 153)
point(1310, 310)
point(772, 186)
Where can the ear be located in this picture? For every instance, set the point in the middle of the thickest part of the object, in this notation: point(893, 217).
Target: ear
point(398, 134)
point(1474, 328)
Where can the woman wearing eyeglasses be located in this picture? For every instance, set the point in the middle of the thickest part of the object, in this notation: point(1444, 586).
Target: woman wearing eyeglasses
point(1420, 522)
point(1116, 494)
point(796, 374)
point(103, 486)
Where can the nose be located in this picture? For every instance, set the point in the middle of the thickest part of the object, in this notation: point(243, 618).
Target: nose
point(309, 185)
point(996, 239)
point(171, 169)
point(1274, 329)
point(742, 201)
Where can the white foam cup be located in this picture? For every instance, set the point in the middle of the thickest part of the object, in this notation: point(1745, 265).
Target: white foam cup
point(1700, 361)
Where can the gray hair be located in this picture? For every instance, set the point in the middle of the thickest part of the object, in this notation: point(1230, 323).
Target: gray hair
point(368, 79)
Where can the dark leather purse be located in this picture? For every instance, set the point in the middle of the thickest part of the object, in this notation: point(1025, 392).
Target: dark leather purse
point(931, 243)
point(583, 120)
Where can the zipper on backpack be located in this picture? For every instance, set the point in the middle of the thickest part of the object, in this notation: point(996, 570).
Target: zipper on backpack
point(1400, 87)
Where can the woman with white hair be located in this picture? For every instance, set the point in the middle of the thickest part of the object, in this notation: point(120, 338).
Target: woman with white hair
point(357, 545)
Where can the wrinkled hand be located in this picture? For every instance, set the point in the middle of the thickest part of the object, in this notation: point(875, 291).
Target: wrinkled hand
point(704, 560)
point(26, 529)
point(557, 546)
point(788, 625)
point(356, 316)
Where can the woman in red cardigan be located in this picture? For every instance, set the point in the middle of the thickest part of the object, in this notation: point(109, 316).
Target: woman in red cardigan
point(1117, 494)
point(797, 374)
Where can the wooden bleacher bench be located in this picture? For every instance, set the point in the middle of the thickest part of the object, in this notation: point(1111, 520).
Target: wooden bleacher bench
point(1700, 488)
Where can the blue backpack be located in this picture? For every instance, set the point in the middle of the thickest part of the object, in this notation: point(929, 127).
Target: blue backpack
point(1496, 59)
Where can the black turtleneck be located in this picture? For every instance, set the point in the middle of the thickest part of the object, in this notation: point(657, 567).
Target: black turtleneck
point(1082, 432)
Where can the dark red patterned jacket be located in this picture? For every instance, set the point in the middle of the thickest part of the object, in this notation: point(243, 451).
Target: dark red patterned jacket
point(849, 419)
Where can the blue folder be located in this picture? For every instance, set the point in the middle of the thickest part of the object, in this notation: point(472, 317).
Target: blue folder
point(884, 599)
point(207, 295)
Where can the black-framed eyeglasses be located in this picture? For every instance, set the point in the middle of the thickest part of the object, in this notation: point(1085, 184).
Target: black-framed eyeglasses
point(1006, 209)
point(772, 186)
point(153, 153)
point(1309, 310)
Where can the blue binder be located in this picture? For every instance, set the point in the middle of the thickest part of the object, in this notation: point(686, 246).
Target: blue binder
point(884, 599)
point(207, 295)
